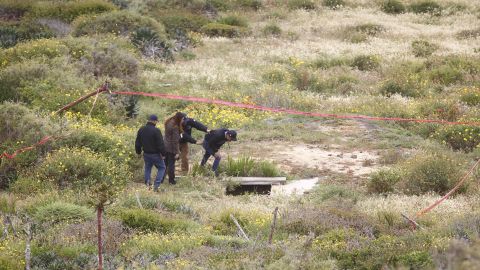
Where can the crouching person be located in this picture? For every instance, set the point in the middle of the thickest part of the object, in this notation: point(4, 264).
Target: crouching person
point(213, 142)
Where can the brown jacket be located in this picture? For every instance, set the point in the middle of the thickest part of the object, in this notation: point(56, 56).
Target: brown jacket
point(172, 137)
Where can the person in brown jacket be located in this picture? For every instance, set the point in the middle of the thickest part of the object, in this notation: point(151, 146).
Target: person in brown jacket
point(172, 136)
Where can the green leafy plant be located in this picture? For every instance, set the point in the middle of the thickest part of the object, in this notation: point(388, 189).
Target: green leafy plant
point(393, 7)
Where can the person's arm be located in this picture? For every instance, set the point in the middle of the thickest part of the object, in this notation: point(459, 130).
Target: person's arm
point(138, 143)
point(159, 141)
point(187, 137)
point(197, 125)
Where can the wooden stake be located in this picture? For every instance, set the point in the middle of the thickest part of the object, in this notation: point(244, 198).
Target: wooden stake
point(138, 200)
point(411, 221)
point(272, 229)
point(28, 254)
point(242, 233)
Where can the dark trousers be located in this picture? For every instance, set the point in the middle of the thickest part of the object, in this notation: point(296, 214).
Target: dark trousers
point(208, 153)
point(157, 161)
point(170, 160)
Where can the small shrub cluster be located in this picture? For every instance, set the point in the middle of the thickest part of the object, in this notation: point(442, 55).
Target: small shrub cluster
point(223, 30)
point(470, 33)
point(151, 221)
point(68, 11)
point(272, 29)
point(13, 33)
point(466, 138)
point(361, 33)
point(366, 62)
point(233, 20)
point(328, 62)
point(393, 7)
point(383, 181)
point(423, 48)
point(60, 212)
point(253, 222)
point(426, 6)
point(246, 166)
point(431, 172)
point(47, 48)
point(470, 96)
point(334, 4)
point(301, 4)
point(182, 22)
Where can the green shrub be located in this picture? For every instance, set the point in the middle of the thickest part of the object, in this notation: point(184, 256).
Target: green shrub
point(148, 220)
point(274, 75)
point(431, 172)
point(471, 96)
point(69, 10)
point(301, 4)
point(225, 241)
point(233, 20)
point(470, 33)
point(466, 138)
point(360, 33)
point(223, 30)
point(59, 211)
point(183, 22)
point(423, 48)
point(14, 10)
point(327, 62)
point(272, 29)
point(146, 33)
point(393, 7)
point(21, 127)
point(157, 245)
point(13, 33)
point(366, 62)
point(426, 6)
point(252, 222)
point(334, 4)
point(221, 5)
point(47, 48)
point(383, 181)
point(15, 76)
point(246, 166)
point(78, 167)
point(250, 4)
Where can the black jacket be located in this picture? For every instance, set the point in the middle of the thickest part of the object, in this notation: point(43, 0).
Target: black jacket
point(150, 140)
point(188, 124)
point(215, 139)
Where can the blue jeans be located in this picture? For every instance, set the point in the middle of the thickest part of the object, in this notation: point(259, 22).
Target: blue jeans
point(209, 152)
point(157, 161)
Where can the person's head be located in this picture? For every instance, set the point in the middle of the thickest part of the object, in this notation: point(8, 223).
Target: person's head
point(153, 119)
point(231, 135)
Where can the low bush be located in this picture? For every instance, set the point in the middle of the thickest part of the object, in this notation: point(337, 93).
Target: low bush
point(77, 167)
point(249, 4)
point(423, 48)
point(253, 222)
point(470, 33)
point(466, 138)
point(15, 76)
point(14, 10)
point(334, 4)
point(13, 33)
point(274, 75)
point(301, 4)
point(426, 6)
point(60, 212)
point(431, 172)
point(246, 166)
point(361, 33)
point(470, 96)
point(272, 29)
point(366, 62)
point(327, 62)
point(183, 22)
point(46, 48)
point(393, 7)
point(161, 245)
point(151, 221)
point(223, 30)
point(383, 181)
point(233, 20)
point(69, 10)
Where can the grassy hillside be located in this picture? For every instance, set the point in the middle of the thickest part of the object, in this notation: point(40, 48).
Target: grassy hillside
point(393, 58)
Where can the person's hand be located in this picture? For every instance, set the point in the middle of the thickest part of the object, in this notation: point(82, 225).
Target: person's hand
point(139, 155)
point(208, 130)
point(177, 156)
point(199, 142)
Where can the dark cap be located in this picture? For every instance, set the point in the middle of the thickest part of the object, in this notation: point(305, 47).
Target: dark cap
point(232, 134)
point(152, 117)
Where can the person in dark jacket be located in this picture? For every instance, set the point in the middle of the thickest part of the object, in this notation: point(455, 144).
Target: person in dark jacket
point(172, 141)
point(150, 141)
point(186, 138)
point(212, 143)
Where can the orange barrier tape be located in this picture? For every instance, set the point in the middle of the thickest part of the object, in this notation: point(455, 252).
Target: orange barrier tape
point(19, 151)
point(457, 186)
